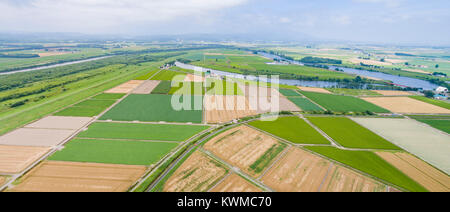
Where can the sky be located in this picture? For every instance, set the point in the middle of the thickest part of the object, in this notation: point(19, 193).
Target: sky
point(378, 21)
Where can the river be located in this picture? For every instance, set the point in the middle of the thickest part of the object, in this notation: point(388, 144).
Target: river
point(54, 66)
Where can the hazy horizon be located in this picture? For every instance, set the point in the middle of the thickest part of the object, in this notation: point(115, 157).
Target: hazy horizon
point(378, 21)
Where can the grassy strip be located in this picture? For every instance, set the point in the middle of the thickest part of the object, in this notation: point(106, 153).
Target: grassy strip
point(435, 102)
point(259, 165)
point(167, 75)
point(370, 163)
point(162, 88)
point(147, 75)
point(108, 96)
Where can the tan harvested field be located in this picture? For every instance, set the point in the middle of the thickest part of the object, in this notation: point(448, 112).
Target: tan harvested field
point(197, 174)
point(393, 93)
point(286, 105)
point(35, 137)
point(59, 122)
point(235, 183)
point(55, 176)
point(395, 61)
point(2, 180)
point(429, 177)
point(242, 147)
point(47, 54)
point(126, 87)
point(406, 105)
point(194, 78)
point(341, 179)
point(298, 171)
point(222, 109)
point(370, 62)
point(146, 87)
point(301, 171)
point(14, 159)
point(317, 90)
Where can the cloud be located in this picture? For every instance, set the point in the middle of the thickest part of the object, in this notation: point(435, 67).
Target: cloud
point(387, 3)
point(98, 15)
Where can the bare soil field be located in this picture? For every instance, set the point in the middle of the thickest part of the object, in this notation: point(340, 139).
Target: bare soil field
point(427, 143)
point(60, 122)
point(393, 93)
point(197, 174)
point(424, 174)
point(14, 159)
point(341, 179)
point(242, 147)
point(317, 90)
point(35, 137)
point(406, 105)
point(126, 87)
point(194, 78)
point(146, 87)
point(222, 109)
point(298, 171)
point(370, 62)
point(286, 105)
point(235, 183)
point(55, 176)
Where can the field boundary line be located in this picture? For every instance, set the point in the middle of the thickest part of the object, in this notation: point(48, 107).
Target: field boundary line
point(333, 142)
point(324, 109)
point(220, 181)
point(325, 177)
point(154, 123)
point(279, 157)
point(121, 139)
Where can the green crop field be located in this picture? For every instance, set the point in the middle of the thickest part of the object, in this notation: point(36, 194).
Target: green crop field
point(370, 163)
point(353, 92)
point(289, 92)
point(147, 75)
point(87, 108)
point(261, 163)
point(350, 134)
point(339, 103)
point(96, 103)
point(163, 87)
point(305, 104)
point(158, 132)
point(113, 152)
point(188, 88)
point(439, 122)
point(167, 75)
point(292, 129)
point(436, 102)
point(155, 107)
point(222, 87)
point(108, 96)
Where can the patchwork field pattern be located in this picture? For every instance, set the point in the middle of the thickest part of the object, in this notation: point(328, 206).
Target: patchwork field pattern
point(113, 151)
point(429, 177)
point(14, 159)
point(197, 174)
point(155, 108)
point(155, 132)
point(126, 87)
point(246, 148)
point(350, 134)
point(423, 141)
point(293, 129)
point(55, 176)
point(406, 105)
point(235, 183)
point(146, 87)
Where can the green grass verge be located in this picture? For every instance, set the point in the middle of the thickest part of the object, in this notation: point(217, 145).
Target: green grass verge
point(113, 152)
point(259, 165)
point(436, 102)
point(339, 103)
point(81, 111)
point(155, 108)
point(371, 164)
point(96, 103)
point(305, 104)
point(163, 132)
point(292, 129)
point(350, 134)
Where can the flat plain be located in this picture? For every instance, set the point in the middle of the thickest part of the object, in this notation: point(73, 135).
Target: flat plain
point(406, 105)
point(14, 159)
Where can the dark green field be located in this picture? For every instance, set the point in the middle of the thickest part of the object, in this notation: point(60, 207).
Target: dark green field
point(162, 88)
point(436, 102)
point(167, 75)
point(87, 108)
point(108, 96)
point(350, 134)
point(292, 129)
point(305, 104)
point(339, 103)
point(113, 152)
point(370, 163)
point(158, 132)
point(439, 122)
point(288, 92)
point(155, 108)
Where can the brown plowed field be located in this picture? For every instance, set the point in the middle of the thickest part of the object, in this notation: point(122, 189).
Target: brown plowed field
point(242, 147)
point(406, 105)
point(197, 174)
point(222, 109)
point(235, 183)
point(14, 159)
point(341, 179)
point(59, 122)
point(194, 78)
point(393, 93)
point(35, 137)
point(146, 87)
point(55, 176)
point(317, 90)
point(429, 177)
point(126, 87)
